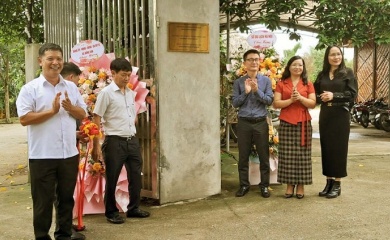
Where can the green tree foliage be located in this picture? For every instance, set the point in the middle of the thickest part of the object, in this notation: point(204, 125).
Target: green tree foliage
point(337, 21)
point(11, 74)
point(21, 22)
point(358, 22)
point(314, 60)
point(291, 52)
point(22, 19)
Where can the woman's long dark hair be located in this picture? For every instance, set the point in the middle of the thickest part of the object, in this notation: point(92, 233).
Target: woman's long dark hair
point(286, 74)
point(326, 65)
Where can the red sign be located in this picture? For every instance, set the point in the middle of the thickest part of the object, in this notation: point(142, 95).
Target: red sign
point(261, 39)
point(87, 51)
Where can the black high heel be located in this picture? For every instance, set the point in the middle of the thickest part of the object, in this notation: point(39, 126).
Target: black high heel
point(289, 195)
point(300, 196)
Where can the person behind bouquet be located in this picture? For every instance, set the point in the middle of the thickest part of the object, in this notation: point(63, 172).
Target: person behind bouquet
point(49, 107)
point(335, 88)
point(71, 72)
point(252, 94)
point(294, 94)
point(116, 105)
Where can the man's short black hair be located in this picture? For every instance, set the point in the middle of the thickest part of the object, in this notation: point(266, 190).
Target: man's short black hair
point(120, 64)
point(70, 68)
point(49, 47)
point(249, 52)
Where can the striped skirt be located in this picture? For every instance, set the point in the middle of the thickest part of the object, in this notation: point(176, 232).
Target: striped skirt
point(294, 165)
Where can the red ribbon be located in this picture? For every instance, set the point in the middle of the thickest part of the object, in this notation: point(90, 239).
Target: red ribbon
point(81, 190)
point(304, 129)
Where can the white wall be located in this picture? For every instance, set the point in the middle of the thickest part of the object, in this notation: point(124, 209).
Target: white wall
point(188, 100)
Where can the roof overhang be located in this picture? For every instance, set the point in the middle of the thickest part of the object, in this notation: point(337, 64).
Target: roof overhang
point(305, 20)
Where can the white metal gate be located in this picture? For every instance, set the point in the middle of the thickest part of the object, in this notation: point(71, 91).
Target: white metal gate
point(124, 27)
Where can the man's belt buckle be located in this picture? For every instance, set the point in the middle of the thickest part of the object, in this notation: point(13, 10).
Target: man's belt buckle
point(129, 138)
point(329, 104)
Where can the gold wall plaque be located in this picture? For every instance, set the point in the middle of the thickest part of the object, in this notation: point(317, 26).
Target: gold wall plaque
point(188, 37)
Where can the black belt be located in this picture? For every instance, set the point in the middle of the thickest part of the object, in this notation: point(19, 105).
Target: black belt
point(335, 104)
point(120, 138)
point(253, 119)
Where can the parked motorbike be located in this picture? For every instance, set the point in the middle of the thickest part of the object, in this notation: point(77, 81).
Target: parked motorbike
point(364, 113)
point(370, 111)
point(356, 112)
point(383, 119)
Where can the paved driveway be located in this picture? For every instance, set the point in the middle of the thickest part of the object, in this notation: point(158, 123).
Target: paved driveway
point(361, 212)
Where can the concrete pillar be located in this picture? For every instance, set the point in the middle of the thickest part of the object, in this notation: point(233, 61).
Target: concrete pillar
point(32, 66)
point(188, 102)
point(31, 60)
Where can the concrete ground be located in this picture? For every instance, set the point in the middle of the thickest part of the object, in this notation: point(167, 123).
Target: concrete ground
point(361, 212)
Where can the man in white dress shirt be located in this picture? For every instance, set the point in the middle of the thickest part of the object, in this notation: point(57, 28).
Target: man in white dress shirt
point(49, 106)
point(116, 104)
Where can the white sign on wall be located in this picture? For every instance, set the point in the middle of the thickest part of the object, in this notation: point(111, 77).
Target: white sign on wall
point(87, 51)
point(261, 39)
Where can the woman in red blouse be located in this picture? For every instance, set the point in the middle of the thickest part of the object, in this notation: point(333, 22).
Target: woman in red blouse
point(294, 94)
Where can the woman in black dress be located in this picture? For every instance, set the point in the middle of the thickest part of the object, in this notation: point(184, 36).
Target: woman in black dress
point(335, 87)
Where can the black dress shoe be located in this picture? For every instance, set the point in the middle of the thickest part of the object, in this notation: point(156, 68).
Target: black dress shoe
point(77, 236)
point(116, 219)
point(137, 213)
point(264, 192)
point(242, 191)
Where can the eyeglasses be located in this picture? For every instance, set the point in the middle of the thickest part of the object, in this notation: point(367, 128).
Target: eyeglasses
point(253, 59)
point(335, 55)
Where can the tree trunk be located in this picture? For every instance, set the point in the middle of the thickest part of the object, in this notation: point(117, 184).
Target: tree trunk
point(29, 24)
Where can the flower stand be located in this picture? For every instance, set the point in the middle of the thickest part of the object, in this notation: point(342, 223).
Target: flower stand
point(254, 170)
point(94, 194)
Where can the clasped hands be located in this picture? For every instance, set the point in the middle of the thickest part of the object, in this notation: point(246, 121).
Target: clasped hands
point(326, 96)
point(295, 96)
point(251, 85)
point(66, 103)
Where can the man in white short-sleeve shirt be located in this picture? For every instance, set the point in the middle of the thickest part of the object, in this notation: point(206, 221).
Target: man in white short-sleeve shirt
point(49, 107)
point(116, 105)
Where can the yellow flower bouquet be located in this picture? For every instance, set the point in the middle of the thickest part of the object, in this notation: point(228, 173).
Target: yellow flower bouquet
point(269, 66)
